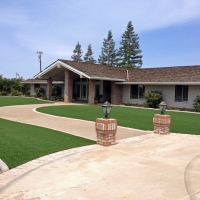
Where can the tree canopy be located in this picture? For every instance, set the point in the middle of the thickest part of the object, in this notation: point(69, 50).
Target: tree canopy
point(89, 55)
point(77, 56)
point(129, 54)
point(108, 53)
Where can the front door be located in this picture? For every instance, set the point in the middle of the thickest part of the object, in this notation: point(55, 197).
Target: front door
point(84, 91)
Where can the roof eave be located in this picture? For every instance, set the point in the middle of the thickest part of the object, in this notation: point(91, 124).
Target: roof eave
point(106, 78)
point(158, 83)
point(58, 64)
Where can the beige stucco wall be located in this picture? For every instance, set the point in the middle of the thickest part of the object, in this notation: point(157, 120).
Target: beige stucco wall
point(32, 92)
point(168, 95)
point(32, 88)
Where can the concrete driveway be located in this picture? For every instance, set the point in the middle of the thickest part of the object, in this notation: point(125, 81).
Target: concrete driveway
point(86, 129)
point(145, 166)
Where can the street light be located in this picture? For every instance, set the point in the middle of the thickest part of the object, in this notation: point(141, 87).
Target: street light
point(162, 107)
point(106, 109)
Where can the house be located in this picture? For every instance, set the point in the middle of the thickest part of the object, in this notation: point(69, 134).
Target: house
point(179, 85)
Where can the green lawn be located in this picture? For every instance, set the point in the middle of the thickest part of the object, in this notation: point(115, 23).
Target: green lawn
point(20, 143)
point(10, 101)
point(129, 117)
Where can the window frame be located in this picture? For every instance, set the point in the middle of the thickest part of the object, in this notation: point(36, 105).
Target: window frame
point(181, 93)
point(36, 85)
point(138, 94)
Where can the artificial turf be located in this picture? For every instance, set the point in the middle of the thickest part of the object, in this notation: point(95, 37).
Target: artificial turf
point(10, 101)
point(20, 143)
point(182, 122)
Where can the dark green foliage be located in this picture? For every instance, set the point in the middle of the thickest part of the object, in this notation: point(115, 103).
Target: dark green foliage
point(196, 103)
point(129, 54)
point(21, 143)
point(153, 99)
point(108, 53)
point(182, 109)
point(56, 91)
point(129, 117)
point(13, 86)
point(77, 56)
point(40, 92)
point(127, 104)
point(15, 92)
point(89, 55)
point(3, 93)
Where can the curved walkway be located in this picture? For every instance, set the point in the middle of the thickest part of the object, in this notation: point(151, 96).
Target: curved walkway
point(86, 129)
point(147, 166)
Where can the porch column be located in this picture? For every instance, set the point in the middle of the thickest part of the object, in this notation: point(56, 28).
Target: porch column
point(68, 88)
point(91, 92)
point(49, 88)
point(116, 94)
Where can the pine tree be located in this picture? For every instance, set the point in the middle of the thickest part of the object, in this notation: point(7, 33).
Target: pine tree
point(88, 56)
point(108, 53)
point(129, 54)
point(77, 56)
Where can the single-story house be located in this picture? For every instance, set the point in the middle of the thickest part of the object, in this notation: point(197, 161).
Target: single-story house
point(179, 85)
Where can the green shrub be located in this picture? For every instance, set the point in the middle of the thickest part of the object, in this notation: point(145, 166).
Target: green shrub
point(145, 105)
point(27, 93)
point(196, 103)
point(3, 93)
point(153, 99)
point(39, 92)
point(127, 104)
point(15, 92)
point(182, 109)
point(56, 91)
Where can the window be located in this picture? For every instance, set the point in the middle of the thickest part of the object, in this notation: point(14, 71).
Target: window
point(37, 86)
point(181, 93)
point(137, 91)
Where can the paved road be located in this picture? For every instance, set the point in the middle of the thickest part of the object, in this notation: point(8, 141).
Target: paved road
point(81, 128)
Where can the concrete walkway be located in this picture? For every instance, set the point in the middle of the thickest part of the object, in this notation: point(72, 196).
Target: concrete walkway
point(86, 129)
point(144, 166)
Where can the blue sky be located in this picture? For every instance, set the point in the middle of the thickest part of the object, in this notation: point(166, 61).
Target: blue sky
point(168, 31)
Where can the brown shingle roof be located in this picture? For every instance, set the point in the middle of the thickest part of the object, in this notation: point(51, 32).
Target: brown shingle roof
point(160, 74)
point(166, 74)
point(97, 70)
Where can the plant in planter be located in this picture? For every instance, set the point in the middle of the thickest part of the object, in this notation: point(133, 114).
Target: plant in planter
point(74, 97)
point(96, 100)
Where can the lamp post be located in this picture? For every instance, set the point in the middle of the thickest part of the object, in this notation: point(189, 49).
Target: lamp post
point(106, 107)
point(106, 128)
point(162, 107)
point(161, 121)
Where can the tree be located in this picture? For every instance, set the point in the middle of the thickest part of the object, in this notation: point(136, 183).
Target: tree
point(77, 56)
point(88, 56)
point(129, 54)
point(108, 53)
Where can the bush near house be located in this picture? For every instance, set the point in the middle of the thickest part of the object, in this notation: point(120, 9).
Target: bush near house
point(153, 99)
point(196, 103)
point(40, 92)
point(56, 91)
